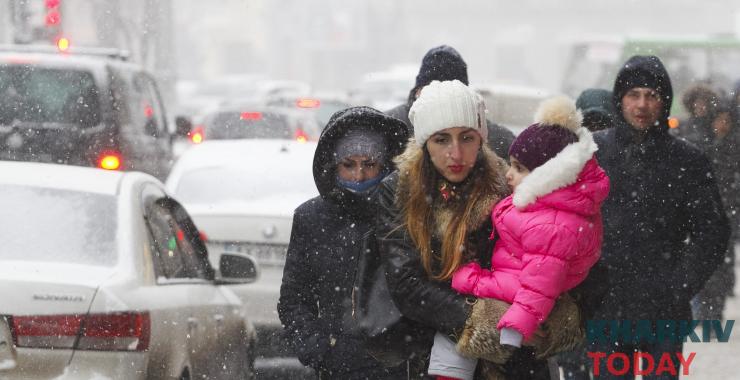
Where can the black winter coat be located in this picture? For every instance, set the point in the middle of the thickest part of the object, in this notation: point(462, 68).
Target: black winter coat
point(499, 137)
point(326, 241)
point(434, 305)
point(698, 131)
point(664, 228)
point(725, 156)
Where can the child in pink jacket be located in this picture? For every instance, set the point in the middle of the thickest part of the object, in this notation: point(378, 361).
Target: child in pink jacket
point(549, 230)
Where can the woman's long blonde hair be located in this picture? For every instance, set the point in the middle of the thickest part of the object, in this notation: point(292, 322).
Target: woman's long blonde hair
point(418, 210)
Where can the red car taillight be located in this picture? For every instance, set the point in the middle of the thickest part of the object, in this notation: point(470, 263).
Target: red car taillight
point(127, 331)
point(197, 135)
point(300, 135)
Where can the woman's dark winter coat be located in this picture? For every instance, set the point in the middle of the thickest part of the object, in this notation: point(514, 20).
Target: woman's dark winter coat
point(664, 228)
point(315, 297)
point(434, 305)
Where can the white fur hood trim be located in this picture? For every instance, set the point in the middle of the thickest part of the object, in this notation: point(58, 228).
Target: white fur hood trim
point(560, 171)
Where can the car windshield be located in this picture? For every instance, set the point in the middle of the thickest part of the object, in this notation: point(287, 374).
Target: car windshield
point(31, 94)
point(41, 224)
point(248, 125)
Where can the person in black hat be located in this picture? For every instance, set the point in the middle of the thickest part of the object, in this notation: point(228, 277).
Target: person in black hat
point(665, 230)
point(352, 156)
point(597, 108)
point(444, 63)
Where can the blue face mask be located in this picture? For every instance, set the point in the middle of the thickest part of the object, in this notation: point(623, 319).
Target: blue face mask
point(360, 187)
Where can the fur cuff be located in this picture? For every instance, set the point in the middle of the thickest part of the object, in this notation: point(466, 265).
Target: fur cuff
point(563, 330)
point(480, 338)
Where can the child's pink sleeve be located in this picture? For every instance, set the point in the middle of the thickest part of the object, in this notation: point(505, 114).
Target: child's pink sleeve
point(474, 280)
point(544, 268)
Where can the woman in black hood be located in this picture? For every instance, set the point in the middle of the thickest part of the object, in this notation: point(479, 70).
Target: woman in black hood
point(353, 155)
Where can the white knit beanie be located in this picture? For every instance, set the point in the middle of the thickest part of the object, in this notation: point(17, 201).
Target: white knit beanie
point(447, 104)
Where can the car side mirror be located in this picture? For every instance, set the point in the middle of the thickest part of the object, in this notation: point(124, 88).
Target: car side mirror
point(237, 269)
point(183, 126)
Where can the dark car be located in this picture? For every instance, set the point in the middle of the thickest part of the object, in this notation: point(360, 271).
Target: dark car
point(88, 108)
point(319, 106)
point(254, 121)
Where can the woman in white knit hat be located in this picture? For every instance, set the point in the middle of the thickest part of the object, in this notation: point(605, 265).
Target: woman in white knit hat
point(434, 217)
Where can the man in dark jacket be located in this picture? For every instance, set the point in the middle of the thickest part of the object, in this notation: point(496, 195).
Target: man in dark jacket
point(353, 154)
point(664, 228)
point(445, 63)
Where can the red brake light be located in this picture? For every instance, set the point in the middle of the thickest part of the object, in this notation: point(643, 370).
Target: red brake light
point(126, 331)
point(203, 236)
point(251, 116)
point(148, 111)
point(197, 135)
point(110, 161)
point(308, 103)
point(300, 135)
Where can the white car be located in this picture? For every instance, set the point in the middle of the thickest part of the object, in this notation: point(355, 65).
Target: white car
point(241, 195)
point(103, 276)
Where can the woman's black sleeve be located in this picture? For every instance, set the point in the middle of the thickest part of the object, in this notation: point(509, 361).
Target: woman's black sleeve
point(418, 297)
point(297, 307)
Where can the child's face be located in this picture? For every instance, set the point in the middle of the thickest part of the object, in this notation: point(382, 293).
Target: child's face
point(516, 173)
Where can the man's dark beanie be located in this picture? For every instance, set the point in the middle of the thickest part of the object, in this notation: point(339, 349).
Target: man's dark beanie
point(643, 71)
point(441, 63)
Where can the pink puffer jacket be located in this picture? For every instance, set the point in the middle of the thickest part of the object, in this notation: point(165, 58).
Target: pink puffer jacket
point(550, 235)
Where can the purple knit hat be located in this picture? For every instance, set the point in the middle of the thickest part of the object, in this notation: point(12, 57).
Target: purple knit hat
point(556, 122)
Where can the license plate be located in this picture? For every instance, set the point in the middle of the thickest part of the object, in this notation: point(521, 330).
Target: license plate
point(265, 254)
point(7, 349)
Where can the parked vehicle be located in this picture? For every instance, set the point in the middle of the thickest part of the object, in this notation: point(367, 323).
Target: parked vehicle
point(242, 194)
point(319, 106)
point(87, 108)
point(254, 121)
point(104, 275)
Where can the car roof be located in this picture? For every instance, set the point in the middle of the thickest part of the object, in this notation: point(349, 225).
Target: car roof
point(92, 62)
point(62, 177)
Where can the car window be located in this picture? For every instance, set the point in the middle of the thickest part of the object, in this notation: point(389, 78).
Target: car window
point(121, 95)
point(194, 250)
point(46, 95)
point(40, 224)
point(176, 256)
point(147, 107)
point(247, 125)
